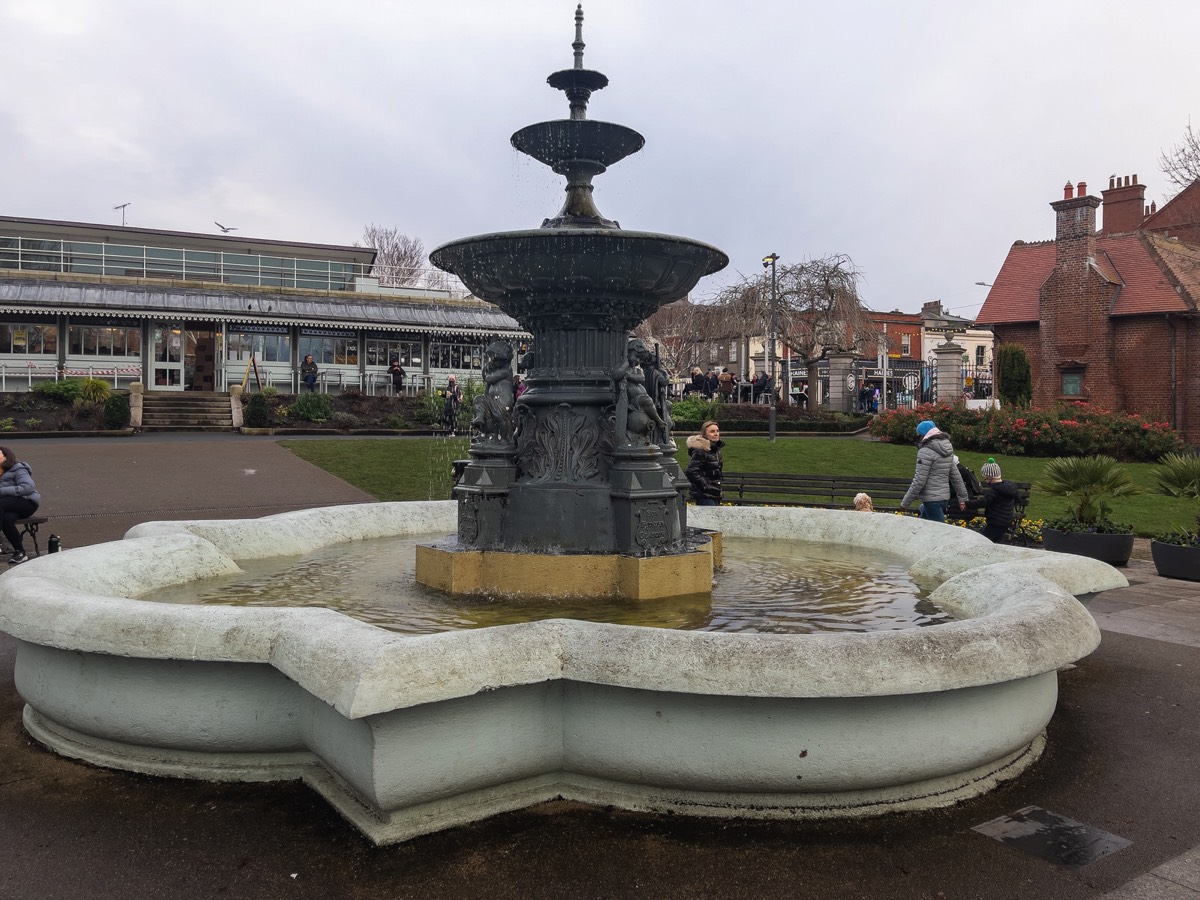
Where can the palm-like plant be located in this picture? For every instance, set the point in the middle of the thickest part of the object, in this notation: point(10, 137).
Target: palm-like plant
point(1178, 475)
point(1087, 482)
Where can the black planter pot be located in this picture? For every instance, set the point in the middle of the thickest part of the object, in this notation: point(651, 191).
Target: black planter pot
point(1174, 561)
point(1113, 549)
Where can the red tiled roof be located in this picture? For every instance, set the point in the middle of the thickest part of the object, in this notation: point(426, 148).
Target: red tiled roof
point(1146, 287)
point(1014, 293)
point(1143, 268)
point(1182, 262)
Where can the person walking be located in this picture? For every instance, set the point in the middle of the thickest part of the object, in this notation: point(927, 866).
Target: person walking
point(19, 499)
point(998, 502)
point(704, 467)
point(308, 372)
point(935, 475)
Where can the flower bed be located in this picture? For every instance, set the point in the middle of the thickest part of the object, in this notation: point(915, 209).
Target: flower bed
point(1076, 429)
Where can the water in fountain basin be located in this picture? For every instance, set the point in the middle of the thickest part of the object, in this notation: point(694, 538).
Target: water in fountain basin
point(766, 587)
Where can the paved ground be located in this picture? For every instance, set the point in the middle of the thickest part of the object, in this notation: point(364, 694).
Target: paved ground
point(1124, 749)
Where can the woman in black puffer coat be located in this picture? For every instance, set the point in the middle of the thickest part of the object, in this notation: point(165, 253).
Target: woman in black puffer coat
point(704, 470)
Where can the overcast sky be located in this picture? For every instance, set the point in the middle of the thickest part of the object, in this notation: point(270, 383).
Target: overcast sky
point(920, 138)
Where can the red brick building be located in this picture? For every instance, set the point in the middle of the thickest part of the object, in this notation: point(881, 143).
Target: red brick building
point(1110, 317)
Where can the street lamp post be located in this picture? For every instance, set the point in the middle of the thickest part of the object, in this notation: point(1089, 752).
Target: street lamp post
point(769, 261)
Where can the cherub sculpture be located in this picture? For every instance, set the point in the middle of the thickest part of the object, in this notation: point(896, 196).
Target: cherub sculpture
point(636, 410)
point(494, 407)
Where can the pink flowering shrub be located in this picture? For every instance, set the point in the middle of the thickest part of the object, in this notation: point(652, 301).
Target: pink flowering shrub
point(1072, 430)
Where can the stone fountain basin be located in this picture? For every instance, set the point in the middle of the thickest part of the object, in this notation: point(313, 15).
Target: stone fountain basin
point(407, 735)
point(584, 263)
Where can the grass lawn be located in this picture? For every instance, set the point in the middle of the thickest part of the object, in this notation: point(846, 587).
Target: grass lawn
point(419, 469)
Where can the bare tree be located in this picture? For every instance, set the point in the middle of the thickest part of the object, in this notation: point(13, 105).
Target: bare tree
point(399, 259)
point(1181, 164)
point(680, 330)
point(819, 310)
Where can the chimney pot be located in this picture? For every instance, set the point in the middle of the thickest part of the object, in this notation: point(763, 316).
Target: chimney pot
point(1068, 191)
point(1126, 181)
point(1135, 181)
point(1111, 183)
point(1081, 191)
point(1153, 207)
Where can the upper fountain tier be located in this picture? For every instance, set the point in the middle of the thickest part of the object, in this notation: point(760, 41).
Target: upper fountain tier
point(579, 253)
point(578, 147)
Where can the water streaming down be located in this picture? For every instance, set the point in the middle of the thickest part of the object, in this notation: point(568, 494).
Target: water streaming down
point(782, 587)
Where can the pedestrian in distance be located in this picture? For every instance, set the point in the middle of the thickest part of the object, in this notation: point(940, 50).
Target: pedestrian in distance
point(998, 502)
point(705, 465)
point(19, 499)
point(936, 475)
point(308, 372)
point(454, 398)
point(397, 372)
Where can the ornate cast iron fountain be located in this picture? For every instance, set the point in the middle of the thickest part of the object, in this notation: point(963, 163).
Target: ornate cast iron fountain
point(586, 465)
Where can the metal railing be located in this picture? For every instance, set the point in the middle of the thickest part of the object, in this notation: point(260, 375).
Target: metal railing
point(28, 374)
point(250, 269)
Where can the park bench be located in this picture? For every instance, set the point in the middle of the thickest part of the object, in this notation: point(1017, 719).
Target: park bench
point(29, 527)
point(837, 492)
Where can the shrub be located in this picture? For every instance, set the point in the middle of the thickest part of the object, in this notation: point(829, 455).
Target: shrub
point(7, 424)
point(257, 413)
point(344, 421)
point(270, 391)
point(95, 390)
point(66, 390)
point(696, 409)
point(312, 407)
point(33, 424)
point(395, 420)
point(1071, 430)
point(1014, 381)
point(1087, 482)
point(1179, 476)
point(116, 412)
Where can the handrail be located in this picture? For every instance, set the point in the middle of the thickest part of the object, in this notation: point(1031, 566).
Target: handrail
point(226, 267)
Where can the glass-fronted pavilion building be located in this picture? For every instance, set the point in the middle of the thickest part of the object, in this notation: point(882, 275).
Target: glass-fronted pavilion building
point(183, 311)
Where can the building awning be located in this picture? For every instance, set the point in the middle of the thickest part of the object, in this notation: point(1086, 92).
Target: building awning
point(37, 297)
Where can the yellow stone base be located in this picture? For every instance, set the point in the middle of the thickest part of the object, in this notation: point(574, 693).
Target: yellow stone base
point(540, 575)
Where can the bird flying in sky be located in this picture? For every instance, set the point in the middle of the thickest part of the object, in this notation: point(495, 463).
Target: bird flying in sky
point(225, 228)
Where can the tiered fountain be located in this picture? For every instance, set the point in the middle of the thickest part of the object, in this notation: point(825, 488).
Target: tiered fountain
point(406, 735)
point(586, 466)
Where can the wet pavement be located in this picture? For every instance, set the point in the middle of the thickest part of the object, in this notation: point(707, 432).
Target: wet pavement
point(1118, 775)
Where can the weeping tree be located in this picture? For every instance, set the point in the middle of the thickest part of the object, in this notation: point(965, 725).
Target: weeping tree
point(1014, 380)
point(818, 308)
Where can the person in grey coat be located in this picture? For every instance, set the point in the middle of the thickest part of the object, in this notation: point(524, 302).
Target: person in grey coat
point(19, 499)
point(935, 476)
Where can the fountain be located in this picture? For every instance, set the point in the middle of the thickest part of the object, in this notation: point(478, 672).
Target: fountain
point(584, 463)
point(405, 735)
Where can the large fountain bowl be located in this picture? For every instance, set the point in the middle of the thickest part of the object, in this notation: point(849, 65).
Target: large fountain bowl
point(645, 268)
point(406, 735)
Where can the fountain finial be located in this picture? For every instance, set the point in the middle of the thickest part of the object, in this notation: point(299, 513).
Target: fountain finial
point(577, 82)
point(578, 45)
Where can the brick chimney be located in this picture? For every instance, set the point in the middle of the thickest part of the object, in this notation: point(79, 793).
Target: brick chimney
point(1124, 205)
point(1075, 229)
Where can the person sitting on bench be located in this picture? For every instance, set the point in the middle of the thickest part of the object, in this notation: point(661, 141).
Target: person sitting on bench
point(19, 499)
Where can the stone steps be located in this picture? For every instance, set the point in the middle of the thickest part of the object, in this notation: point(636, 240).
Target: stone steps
point(186, 411)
